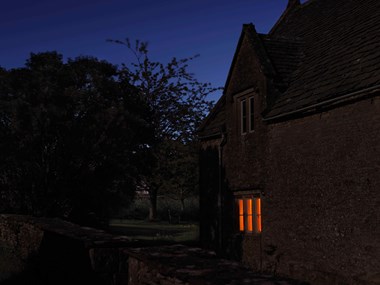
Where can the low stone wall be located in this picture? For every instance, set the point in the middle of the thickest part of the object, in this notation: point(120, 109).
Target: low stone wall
point(52, 251)
point(19, 241)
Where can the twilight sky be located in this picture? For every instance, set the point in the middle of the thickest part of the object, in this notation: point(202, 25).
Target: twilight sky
point(179, 28)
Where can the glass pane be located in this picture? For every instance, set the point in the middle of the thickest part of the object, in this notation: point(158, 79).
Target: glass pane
point(258, 214)
point(243, 116)
point(251, 114)
point(241, 214)
point(250, 223)
point(258, 206)
point(241, 223)
point(241, 207)
point(249, 206)
point(249, 215)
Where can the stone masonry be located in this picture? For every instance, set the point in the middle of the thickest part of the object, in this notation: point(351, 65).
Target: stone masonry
point(51, 251)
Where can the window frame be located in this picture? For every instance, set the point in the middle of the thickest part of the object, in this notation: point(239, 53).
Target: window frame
point(251, 114)
point(249, 219)
point(246, 113)
point(243, 116)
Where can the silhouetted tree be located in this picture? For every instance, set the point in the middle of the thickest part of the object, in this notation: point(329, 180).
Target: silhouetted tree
point(180, 175)
point(74, 137)
point(177, 101)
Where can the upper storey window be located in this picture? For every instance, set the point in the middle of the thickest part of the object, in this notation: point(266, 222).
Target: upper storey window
point(251, 114)
point(247, 112)
point(243, 116)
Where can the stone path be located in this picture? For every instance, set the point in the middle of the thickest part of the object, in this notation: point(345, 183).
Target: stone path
point(179, 264)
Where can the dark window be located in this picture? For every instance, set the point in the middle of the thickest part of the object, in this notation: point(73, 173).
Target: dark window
point(243, 116)
point(251, 114)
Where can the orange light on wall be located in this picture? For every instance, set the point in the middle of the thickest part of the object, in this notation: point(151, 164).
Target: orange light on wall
point(258, 214)
point(249, 215)
point(241, 214)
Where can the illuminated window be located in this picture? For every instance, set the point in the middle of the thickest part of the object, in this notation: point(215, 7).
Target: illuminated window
point(241, 214)
point(249, 214)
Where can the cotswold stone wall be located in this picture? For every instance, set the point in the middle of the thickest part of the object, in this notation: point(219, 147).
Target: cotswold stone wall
point(320, 179)
point(321, 210)
point(19, 242)
point(244, 153)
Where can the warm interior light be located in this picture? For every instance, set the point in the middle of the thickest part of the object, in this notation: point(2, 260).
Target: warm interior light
point(249, 211)
point(258, 214)
point(249, 215)
point(241, 214)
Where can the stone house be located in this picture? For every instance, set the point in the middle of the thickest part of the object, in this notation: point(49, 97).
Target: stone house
point(290, 154)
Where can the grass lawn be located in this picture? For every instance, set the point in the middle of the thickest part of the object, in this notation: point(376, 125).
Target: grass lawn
point(156, 231)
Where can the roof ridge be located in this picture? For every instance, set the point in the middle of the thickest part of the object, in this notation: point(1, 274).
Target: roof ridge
point(340, 51)
point(292, 5)
point(268, 37)
point(254, 38)
point(294, 51)
point(267, 66)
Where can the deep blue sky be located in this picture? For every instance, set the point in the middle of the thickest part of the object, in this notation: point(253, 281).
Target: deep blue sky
point(178, 28)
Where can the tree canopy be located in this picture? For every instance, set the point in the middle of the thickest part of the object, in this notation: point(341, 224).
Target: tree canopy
point(178, 103)
point(81, 136)
point(74, 137)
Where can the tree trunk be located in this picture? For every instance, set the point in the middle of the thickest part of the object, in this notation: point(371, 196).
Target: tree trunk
point(153, 204)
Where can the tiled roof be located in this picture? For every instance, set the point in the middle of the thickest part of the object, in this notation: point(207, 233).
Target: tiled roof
point(214, 122)
point(340, 42)
point(320, 51)
point(285, 55)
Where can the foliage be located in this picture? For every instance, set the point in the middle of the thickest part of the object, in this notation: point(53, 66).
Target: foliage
point(168, 210)
point(74, 137)
point(179, 171)
point(79, 137)
point(178, 103)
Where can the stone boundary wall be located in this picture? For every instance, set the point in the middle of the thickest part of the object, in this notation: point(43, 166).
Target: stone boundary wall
point(52, 251)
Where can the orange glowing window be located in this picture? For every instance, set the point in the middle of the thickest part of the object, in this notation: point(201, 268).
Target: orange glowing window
point(249, 214)
point(258, 214)
point(241, 214)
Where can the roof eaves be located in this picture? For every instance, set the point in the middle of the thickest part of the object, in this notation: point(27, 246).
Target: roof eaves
point(212, 114)
point(329, 103)
point(215, 134)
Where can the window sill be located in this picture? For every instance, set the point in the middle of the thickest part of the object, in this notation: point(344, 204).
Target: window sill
point(249, 234)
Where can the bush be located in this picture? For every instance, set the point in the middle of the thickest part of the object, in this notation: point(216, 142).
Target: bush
point(166, 208)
